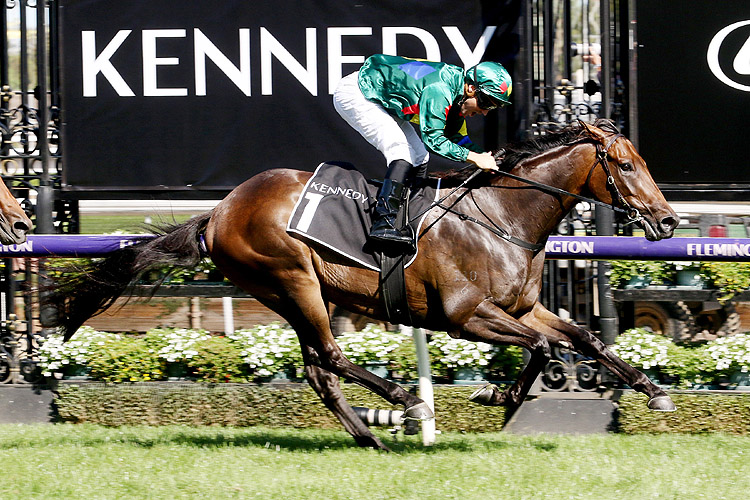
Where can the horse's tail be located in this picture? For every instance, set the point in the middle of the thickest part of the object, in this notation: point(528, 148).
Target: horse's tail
point(85, 291)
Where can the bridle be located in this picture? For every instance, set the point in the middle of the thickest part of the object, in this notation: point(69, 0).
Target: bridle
point(630, 212)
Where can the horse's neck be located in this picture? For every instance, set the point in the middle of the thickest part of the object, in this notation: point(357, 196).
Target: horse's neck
point(532, 212)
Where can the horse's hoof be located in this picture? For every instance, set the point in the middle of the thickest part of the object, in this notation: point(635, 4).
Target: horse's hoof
point(661, 403)
point(484, 394)
point(418, 412)
point(371, 442)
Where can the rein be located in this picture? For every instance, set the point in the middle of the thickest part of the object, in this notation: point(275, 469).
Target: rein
point(601, 159)
point(494, 228)
point(630, 212)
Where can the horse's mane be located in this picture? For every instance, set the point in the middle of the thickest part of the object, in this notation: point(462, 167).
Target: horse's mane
point(517, 151)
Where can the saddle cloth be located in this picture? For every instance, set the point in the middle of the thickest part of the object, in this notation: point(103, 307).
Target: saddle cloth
point(334, 210)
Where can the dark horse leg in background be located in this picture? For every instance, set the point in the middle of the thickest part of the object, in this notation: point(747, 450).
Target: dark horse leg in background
point(324, 362)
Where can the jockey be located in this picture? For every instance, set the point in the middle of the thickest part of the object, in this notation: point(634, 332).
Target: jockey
point(389, 92)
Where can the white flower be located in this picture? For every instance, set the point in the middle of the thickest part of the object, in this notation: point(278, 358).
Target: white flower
point(642, 349)
point(731, 352)
point(268, 348)
point(456, 353)
point(54, 354)
point(372, 343)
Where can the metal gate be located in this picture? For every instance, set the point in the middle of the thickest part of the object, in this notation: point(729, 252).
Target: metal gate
point(29, 164)
point(574, 67)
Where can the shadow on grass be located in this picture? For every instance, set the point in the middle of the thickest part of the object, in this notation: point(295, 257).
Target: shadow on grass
point(283, 439)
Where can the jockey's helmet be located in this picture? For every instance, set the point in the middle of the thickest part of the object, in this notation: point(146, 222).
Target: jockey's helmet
point(492, 79)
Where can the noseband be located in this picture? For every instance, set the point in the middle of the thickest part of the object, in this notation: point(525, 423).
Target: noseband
point(632, 214)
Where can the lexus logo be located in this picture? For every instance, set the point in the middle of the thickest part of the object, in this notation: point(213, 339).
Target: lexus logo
point(741, 63)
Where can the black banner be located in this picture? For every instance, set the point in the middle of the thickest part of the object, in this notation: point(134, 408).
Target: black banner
point(693, 67)
point(198, 96)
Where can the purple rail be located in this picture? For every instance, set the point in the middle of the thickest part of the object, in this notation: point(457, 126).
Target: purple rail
point(558, 247)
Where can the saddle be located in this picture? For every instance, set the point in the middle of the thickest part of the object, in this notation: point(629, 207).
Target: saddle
point(334, 211)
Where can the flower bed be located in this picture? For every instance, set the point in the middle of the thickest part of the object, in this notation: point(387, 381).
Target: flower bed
point(724, 362)
point(258, 355)
point(272, 351)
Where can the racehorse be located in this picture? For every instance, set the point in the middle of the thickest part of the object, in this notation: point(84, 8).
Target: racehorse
point(466, 279)
point(14, 223)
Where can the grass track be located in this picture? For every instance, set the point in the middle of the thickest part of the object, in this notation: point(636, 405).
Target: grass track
point(92, 462)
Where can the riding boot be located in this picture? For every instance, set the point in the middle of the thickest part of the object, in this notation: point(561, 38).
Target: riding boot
point(384, 229)
point(417, 178)
point(389, 199)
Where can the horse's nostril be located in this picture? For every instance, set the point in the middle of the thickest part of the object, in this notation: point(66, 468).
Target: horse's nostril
point(21, 226)
point(669, 223)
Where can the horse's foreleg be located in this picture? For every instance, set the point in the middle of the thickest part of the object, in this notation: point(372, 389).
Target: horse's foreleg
point(493, 325)
point(573, 337)
point(326, 384)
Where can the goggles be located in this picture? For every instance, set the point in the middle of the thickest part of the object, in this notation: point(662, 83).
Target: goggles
point(486, 102)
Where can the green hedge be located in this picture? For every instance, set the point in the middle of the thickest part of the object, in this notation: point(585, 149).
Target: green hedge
point(244, 405)
point(297, 405)
point(696, 414)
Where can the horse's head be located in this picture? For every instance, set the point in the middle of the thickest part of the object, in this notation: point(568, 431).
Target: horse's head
point(14, 223)
point(620, 177)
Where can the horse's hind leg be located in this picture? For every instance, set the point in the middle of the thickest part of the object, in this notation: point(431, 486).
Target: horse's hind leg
point(583, 341)
point(326, 384)
point(305, 310)
point(325, 353)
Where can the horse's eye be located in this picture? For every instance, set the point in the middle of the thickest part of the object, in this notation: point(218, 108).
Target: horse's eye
point(627, 167)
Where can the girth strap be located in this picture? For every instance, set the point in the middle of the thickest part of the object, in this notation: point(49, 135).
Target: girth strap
point(393, 289)
point(392, 281)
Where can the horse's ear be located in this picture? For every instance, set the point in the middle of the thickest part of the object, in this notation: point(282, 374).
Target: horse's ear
point(586, 127)
point(592, 131)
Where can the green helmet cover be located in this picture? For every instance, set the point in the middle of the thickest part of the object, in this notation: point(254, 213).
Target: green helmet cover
point(491, 78)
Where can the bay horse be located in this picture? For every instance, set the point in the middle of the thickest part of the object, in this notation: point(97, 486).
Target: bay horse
point(14, 223)
point(465, 279)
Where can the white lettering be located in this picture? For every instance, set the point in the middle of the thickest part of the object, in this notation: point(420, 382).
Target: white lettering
point(238, 70)
point(93, 65)
point(569, 247)
point(335, 57)
point(205, 48)
point(338, 191)
point(150, 62)
point(469, 57)
point(429, 42)
point(269, 46)
point(25, 247)
point(307, 215)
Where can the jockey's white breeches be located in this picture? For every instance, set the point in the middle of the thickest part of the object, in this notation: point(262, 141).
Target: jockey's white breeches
point(393, 137)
